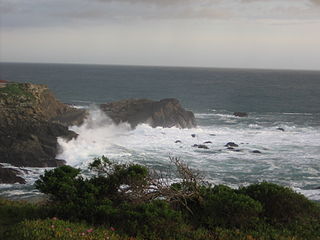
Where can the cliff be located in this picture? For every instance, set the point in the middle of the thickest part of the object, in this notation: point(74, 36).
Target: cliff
point(29, 126)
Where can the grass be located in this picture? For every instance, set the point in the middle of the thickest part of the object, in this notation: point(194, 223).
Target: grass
point(54, 229)
point(13, 212)
point(15, 90)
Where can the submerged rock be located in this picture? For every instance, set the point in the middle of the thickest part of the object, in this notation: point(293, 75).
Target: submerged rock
point(202, 146)
point(178, 141)
point(193, 135)
point(280, 129)
point(163, 113)
point(231, 144)
point(207, 142)
point(256, 151)
point(240, 114)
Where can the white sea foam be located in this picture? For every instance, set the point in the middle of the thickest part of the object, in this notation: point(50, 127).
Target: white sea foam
point(96, 136)
point(290, 158)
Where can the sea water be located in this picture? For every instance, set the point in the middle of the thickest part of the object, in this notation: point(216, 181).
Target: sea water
point(273, 99)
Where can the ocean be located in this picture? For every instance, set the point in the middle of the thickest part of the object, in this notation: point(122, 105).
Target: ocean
point(272, 98)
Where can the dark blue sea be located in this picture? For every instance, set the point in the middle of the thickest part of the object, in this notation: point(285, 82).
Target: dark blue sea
point(272, 98)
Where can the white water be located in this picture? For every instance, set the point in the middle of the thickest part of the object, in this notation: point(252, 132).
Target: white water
point(290, 158)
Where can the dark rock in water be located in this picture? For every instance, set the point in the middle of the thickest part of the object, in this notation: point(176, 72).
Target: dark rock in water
point(178, 141)
point(200, 146)
point(231, 144)
point(280, 129)
point(207, 142)
point(256, 151)
point(230, 148)
point(212, 134)
point(10, 176)
point(240, 114)
point(163, 113)
point(193, 135)
point(203, 146)
point(28, 136)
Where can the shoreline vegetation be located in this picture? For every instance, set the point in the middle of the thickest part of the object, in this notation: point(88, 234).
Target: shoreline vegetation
point(129, 201)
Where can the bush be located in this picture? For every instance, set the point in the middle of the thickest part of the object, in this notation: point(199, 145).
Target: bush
point(281, 205)
point(61, 183)
point(127, 197)
point(223, 206)
point(154, 220)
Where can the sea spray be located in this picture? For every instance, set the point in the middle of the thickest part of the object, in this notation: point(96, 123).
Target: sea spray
point(288, 158)
point(95, 136)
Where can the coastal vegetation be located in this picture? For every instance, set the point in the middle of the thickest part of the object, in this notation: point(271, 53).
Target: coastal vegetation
point(15, 90)
point(130, 201)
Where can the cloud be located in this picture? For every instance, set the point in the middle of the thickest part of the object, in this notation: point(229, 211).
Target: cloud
point(316, 2)
point(38, 13)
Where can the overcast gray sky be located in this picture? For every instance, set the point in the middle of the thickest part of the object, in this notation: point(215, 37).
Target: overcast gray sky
point(208, 33)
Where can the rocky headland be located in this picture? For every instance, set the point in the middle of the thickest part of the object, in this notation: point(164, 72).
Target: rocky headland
point(164, 113)
point(31, 120)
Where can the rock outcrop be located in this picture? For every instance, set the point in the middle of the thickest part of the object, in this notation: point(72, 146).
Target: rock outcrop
point(163, 113)
point(231, 144)
point(30, 125)
point(10, 176)
point(240, 114)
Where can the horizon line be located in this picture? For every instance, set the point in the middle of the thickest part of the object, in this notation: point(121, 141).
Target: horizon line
point(165, 66)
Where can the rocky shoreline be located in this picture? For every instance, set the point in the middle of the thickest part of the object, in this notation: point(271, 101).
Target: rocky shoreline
point(28, 134)
point(31, 120)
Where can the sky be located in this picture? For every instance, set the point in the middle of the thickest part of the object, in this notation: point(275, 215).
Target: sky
point(272, 34)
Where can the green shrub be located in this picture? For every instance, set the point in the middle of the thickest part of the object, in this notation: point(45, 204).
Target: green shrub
point(154, 220)
point(281, 205)
point(223, 206)
point(60, 183)
point(119, 195)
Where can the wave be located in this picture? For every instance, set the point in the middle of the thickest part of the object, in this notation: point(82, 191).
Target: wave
point(287, 158)
point(95, 136)
point(290, 158)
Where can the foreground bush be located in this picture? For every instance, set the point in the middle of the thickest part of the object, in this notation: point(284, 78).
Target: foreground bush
point(224, 207)
point(281, 205)
point(139, 204)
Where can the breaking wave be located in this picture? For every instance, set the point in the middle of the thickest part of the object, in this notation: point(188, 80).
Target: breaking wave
point(289, 158)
